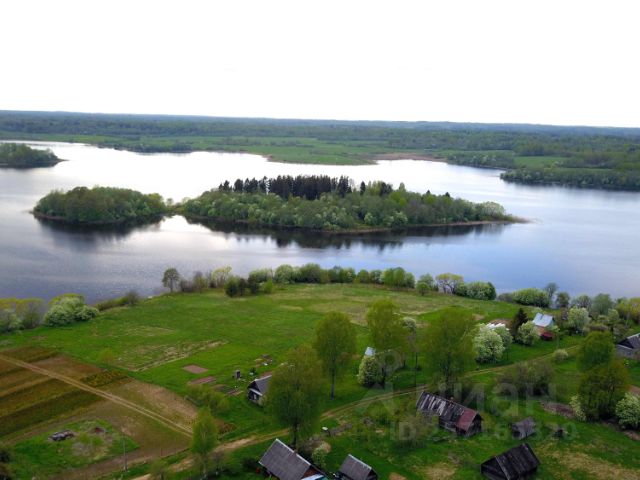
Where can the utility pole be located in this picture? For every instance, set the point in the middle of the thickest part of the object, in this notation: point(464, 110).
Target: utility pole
point(124, 450)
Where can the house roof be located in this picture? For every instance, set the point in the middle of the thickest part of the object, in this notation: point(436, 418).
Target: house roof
point(542, 320)
point(516, 463)
point(283, 462)
point(355, 469)
point(369, 352)
point(447, 410)
point(631, 342)
point(525, 427)
point(261, 384)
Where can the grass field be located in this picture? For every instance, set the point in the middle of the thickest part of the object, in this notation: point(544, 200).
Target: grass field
point(154, 342)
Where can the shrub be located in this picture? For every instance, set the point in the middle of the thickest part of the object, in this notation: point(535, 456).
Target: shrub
point(232, 287)
point(532, 296)
point(628, 411)
point(370, 372)
point(505, 336)
point(375, 276)
point(477, 290)
point(9, 321)
point(319, 457)
point(131, 298)
point(363, 277)
point(527, 378)
point(267, 287)
point(67, 310)
point(576, 406)
point(429, 281)
point(310, 273)
point(528, 334)
point(560, 355)
point(204, 395)
point(487, 345)
point(422, 288)
point(285, 274)
point(261, 275)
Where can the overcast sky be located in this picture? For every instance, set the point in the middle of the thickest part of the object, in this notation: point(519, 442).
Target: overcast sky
point(557, 62)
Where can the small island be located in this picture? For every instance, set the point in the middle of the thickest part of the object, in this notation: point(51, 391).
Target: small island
point(18, 155)
point(100, 206)
point(322, 203)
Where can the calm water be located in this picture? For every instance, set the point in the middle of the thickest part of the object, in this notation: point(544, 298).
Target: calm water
point(585, 240)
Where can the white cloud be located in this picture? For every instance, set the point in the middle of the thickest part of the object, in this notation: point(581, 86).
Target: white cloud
point(563, 62)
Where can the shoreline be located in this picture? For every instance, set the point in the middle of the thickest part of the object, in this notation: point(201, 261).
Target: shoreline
point(62, 220)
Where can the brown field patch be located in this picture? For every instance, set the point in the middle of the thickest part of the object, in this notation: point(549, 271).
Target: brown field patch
point(146, 357)
point(396, 476)
point(157, 399)
point(17, 377)
point(30, 353)
point(597, 469)
point(202, 381)
point(197, 369)
point(439, 470)
point(68, 367)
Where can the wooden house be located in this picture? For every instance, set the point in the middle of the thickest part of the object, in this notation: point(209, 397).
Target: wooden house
point(523, 429)
point(519, 463)
point(355, 469)
point(629, 347)
point(258, 389)
point(283, 463)
point(451, 415)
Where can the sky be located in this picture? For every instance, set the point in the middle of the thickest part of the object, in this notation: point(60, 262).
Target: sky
point(553, 62)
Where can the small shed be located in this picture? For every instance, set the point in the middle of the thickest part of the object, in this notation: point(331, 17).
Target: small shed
point(355, 469)
point(451, 415)
point(370, 352)
point(518, 463)
point(281, 462)
point(257, 389)
point(629, 347)
point(524, 428)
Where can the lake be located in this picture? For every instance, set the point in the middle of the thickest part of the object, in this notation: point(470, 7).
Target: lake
point(584, 240)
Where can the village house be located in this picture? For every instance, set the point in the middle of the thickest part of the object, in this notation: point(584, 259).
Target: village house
point(281, 462)
point(355, 469)
point(451, 415)
point(519, 463)
point(543, 322)
point(258, 389)
point(629, 347)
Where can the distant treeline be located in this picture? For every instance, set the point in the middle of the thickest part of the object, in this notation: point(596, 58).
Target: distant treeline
point(17, 155)
point(340, 207)
point(100, 205)
point(311, 187)
point(591, 157)
point(609, 179)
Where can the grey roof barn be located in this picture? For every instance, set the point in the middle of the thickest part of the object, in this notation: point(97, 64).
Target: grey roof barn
point(629, 347)
point(258, 389)
point(282, 462)
point(355, 469)
point(518, 463)
point(524, 428)
point(451, 415)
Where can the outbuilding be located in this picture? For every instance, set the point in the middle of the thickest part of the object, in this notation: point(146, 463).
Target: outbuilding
point(281, 462)
point(258, 389)
point(355, 469)
point(451, 415)
point(524, 428)
point(629, 347)
point(519, 463)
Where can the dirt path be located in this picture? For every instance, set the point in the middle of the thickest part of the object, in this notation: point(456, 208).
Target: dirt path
point(176, 427)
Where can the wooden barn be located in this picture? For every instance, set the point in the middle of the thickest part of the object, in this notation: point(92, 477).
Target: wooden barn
point(258, 389)
point(629, 347)
point(519, 463)
point(281, 462)
point(355, 469)
point(523, 429)
point(451, 415)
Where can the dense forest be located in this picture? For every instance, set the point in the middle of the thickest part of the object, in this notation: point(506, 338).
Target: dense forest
point(16, 155)
point(100, 205)
point(576, 156)
point(343, 208)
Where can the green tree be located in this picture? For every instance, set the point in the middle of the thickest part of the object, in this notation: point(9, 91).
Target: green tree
point(171, 279)
point(294, 392)
point(597, 349)
point(369, 371)
point(488, 345)
point(387, 334)
point(519, 319)
point(448, 282)
point(562, 300)
point(204, 439)
point(422, 288)
point(551, 288)
point(448, 347)
point(601, 388)
point(335, 343)
point(578, 319)
point(158, 470)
